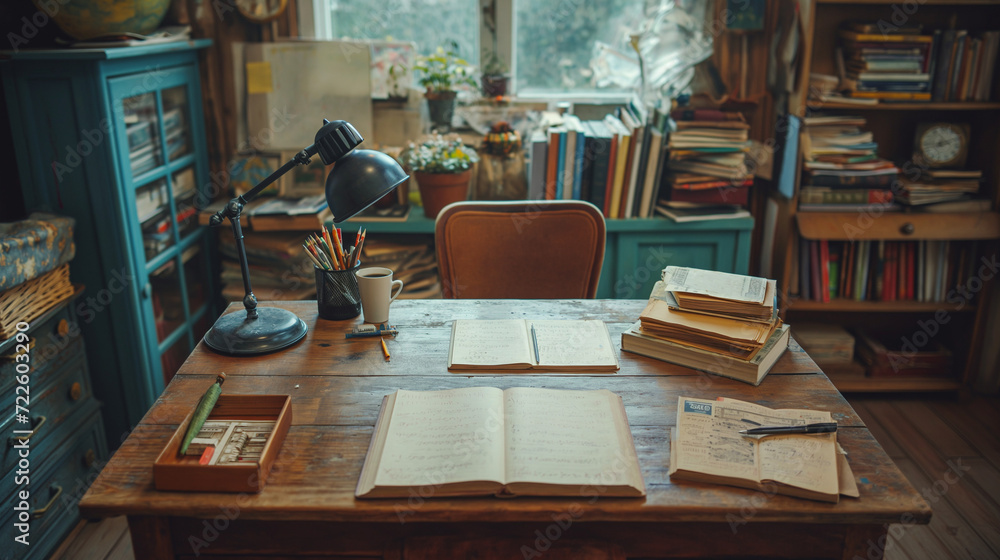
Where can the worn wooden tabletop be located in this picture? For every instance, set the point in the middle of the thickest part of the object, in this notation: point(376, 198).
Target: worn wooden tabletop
point(337, 385)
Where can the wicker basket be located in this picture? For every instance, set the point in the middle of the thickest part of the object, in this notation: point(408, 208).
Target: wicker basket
point(31, 299)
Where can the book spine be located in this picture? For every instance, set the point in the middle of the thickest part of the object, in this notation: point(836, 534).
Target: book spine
point(824, 257)
point(845, 196)
point(804, 280)
point(814, 272)
point(561, 165)
point(609, 181)
point(589, 158)
point(539, 163)
point(552, 168)
point(581, 140)
point(854, 181)
point(721, 195)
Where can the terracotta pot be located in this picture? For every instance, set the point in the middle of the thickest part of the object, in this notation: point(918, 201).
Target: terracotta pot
point(438, 190)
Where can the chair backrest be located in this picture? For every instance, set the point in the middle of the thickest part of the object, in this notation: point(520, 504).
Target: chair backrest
point(533, 249)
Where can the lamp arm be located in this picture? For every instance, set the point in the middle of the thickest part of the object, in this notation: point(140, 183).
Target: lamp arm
point(234, 209)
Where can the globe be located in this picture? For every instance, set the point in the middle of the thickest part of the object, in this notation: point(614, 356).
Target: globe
point(88, 19)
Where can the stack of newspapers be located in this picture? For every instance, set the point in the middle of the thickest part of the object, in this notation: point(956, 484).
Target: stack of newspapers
point(721, 323)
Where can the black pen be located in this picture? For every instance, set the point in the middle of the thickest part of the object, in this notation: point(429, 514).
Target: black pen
point(534, 338)
point(820, 428)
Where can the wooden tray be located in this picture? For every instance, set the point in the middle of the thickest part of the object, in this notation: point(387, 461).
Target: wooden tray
point(28, 301)
point(171, 472)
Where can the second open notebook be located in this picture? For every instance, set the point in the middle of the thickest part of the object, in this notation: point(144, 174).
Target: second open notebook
point(520, 344)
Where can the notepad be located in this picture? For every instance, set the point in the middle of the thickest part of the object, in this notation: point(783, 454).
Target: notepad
point(487, 441)
point(582, 346)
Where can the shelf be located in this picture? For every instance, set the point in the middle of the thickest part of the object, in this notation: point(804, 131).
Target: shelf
point(901, 226)
point(915, 106)
point(852, 306)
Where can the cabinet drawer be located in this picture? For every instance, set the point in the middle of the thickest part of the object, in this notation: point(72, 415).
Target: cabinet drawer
point(49, 408)
point(52, 343)
point(852, 226)
point(54, 482)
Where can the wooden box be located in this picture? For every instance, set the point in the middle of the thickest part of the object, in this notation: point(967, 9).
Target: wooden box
point(171, 472)
point(886, 357)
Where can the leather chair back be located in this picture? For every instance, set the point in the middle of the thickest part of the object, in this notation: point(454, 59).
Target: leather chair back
point(534, 249)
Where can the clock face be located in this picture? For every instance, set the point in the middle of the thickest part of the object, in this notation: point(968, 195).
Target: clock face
point(941, 144)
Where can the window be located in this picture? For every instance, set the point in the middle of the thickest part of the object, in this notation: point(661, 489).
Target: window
point(428, 23)
point(555, 41)
point(564, 47)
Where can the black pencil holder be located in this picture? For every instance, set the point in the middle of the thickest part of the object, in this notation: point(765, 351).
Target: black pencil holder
point(337, 294)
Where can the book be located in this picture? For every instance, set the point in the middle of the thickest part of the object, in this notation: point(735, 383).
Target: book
point(602, 155)
point(552, 164)
point(706, 446)
point(724, 335)
point(568, 443)
point(539, 162)
point(721, 293)
point(654, 140)
point(516, 344)
point(682, 212)
point(751, 371)
point(624, 140)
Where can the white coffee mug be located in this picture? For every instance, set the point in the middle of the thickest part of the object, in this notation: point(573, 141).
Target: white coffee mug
point(376, 284)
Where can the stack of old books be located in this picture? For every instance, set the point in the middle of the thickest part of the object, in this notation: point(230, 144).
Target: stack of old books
point(706, 164)
point(842, 171)
point(721, 323)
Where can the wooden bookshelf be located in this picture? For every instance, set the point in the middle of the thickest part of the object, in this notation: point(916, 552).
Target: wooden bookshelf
point(893, 126)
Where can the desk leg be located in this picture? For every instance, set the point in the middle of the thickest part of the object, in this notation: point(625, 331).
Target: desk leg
point(151, 537)
point(865, 541)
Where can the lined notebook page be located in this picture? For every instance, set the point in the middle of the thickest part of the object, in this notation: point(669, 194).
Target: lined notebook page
point(574, 343)
point(482, 342)
point(438, 437)
point(567, 437)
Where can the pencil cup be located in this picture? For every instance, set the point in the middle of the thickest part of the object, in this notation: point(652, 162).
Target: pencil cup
point(337, 294)
point(376, 285)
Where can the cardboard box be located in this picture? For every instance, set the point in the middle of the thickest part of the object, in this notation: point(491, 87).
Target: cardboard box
point(185, 474)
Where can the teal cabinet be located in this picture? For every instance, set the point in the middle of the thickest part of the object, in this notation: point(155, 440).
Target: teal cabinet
point(115, 138)
point(637, 250)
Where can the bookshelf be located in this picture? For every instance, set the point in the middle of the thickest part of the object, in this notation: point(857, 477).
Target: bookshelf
point(893, 126)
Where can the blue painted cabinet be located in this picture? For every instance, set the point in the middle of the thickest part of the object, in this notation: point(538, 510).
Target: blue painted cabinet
point(637, 250)
point(115, 138)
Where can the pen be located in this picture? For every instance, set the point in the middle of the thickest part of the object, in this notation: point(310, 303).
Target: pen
point(820, 428)
point(534, 339)
point(385, 349)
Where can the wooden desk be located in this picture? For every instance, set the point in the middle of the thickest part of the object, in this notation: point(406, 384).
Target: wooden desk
point(308, 506)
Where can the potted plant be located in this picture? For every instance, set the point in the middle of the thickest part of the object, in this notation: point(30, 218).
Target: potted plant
point(442, 169)
point(494, 79)
point(443, 71)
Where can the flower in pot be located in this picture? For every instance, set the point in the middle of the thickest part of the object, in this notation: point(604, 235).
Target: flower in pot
point(442, 169)
point(443, 71)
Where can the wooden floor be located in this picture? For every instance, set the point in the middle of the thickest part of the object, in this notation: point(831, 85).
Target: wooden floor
point(950, 451)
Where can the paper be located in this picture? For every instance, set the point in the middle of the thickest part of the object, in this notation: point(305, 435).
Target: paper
point(567, 343)
point(708, 442)
point(736, 287)
point(500, 342)
point(259, 77)
point(567, 437)
point(425, 446)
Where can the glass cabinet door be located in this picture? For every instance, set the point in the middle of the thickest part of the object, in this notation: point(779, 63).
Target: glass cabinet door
point(163, 169)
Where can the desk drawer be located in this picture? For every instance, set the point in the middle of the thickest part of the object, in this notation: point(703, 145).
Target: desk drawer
point(58, 486)
point(49, 407)
point(53, 343)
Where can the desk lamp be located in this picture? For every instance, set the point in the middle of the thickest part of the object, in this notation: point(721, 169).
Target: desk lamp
point(358, 179)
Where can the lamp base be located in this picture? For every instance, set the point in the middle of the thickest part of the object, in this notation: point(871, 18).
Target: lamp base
point(272, 330)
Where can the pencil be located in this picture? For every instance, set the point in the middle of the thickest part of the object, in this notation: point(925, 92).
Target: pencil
point(385, 349)
point(312, 258)
point(361, 244)
point(336, 245)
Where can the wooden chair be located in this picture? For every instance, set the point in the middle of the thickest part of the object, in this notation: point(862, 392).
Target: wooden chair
point(533, 249)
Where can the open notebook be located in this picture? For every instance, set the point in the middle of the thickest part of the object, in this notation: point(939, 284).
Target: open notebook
point(519, 344)
point(479, 441)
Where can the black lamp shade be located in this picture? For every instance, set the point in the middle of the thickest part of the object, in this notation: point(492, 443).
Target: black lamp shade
point(359, 179)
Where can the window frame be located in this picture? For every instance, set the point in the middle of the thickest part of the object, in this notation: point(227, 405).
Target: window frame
point(315, 22)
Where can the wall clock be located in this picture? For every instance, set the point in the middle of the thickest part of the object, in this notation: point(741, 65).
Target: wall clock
point(941, 144)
